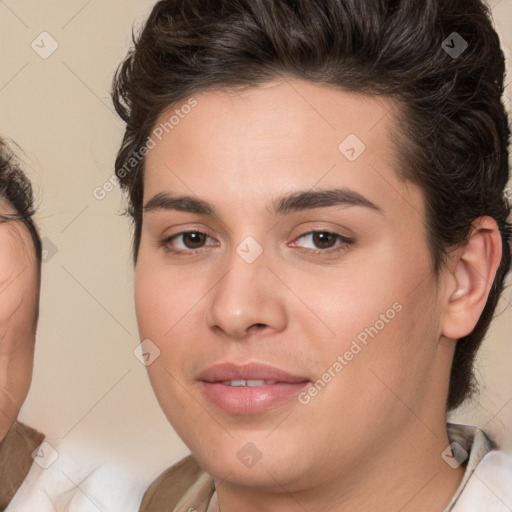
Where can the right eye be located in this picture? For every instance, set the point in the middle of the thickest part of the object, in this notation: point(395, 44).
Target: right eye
point(186, 242)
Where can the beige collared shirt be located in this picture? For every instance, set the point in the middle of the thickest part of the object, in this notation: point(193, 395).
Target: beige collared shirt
point(16, 459)
point(186, 487)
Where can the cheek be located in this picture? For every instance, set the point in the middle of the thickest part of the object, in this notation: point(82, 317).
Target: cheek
point(155, 306)
point(377, 309)
point(169, 313)
point(148, 299)
point(162, 296)
point(334, 307)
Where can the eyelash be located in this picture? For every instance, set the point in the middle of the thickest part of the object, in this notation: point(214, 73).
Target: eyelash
point(344, 243)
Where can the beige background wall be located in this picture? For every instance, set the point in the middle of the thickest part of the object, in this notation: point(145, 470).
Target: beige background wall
point(88, 387)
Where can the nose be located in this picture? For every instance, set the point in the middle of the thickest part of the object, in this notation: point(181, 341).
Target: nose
point(247, 299)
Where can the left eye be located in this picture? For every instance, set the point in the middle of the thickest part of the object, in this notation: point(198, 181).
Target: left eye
point(324, 240)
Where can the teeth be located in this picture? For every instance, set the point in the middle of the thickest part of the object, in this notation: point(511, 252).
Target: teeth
point(249, 383)
point(258, 382)
point(235, 383)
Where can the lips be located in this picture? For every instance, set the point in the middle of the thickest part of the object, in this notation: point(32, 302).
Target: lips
point(249, 372)
point(250, 388)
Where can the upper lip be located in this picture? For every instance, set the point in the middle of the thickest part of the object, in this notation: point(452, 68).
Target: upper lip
point(249, 371)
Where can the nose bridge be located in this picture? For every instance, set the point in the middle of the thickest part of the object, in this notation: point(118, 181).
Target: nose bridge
point(245, 295)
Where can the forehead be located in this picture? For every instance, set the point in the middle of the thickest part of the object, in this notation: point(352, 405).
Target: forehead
point(271, 139)
point(14, 235)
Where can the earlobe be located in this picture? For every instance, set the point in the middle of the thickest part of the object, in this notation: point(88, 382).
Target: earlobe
point(473, 274)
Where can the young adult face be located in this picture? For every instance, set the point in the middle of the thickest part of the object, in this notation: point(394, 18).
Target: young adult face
point(19, 302)
point(302, 303)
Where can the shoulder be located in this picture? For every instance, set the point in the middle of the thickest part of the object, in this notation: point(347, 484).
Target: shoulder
point(489, 487)
point(185, 484)
point(16, 459)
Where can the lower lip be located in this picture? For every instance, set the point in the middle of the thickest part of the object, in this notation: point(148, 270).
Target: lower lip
point(250, 399)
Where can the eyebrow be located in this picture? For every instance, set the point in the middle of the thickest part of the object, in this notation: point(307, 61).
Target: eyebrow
point(285, 205)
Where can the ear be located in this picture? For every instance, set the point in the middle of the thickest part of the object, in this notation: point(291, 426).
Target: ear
point(471, 277)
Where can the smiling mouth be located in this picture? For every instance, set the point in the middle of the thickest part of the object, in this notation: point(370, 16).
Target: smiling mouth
point(243, 397)
point(250, 387)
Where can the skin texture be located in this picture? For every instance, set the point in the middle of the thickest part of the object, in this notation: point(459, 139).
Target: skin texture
point(19, 303)
point(379, 421)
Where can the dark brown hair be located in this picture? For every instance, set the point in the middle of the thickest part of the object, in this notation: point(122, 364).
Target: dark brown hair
point(454, 134)
point(16, 189)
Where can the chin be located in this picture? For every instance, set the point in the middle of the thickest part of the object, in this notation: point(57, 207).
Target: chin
point(229, 469)
point(242, 461)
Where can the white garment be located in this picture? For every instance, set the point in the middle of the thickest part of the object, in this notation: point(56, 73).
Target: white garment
point(487, 482)
point(78, 482)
